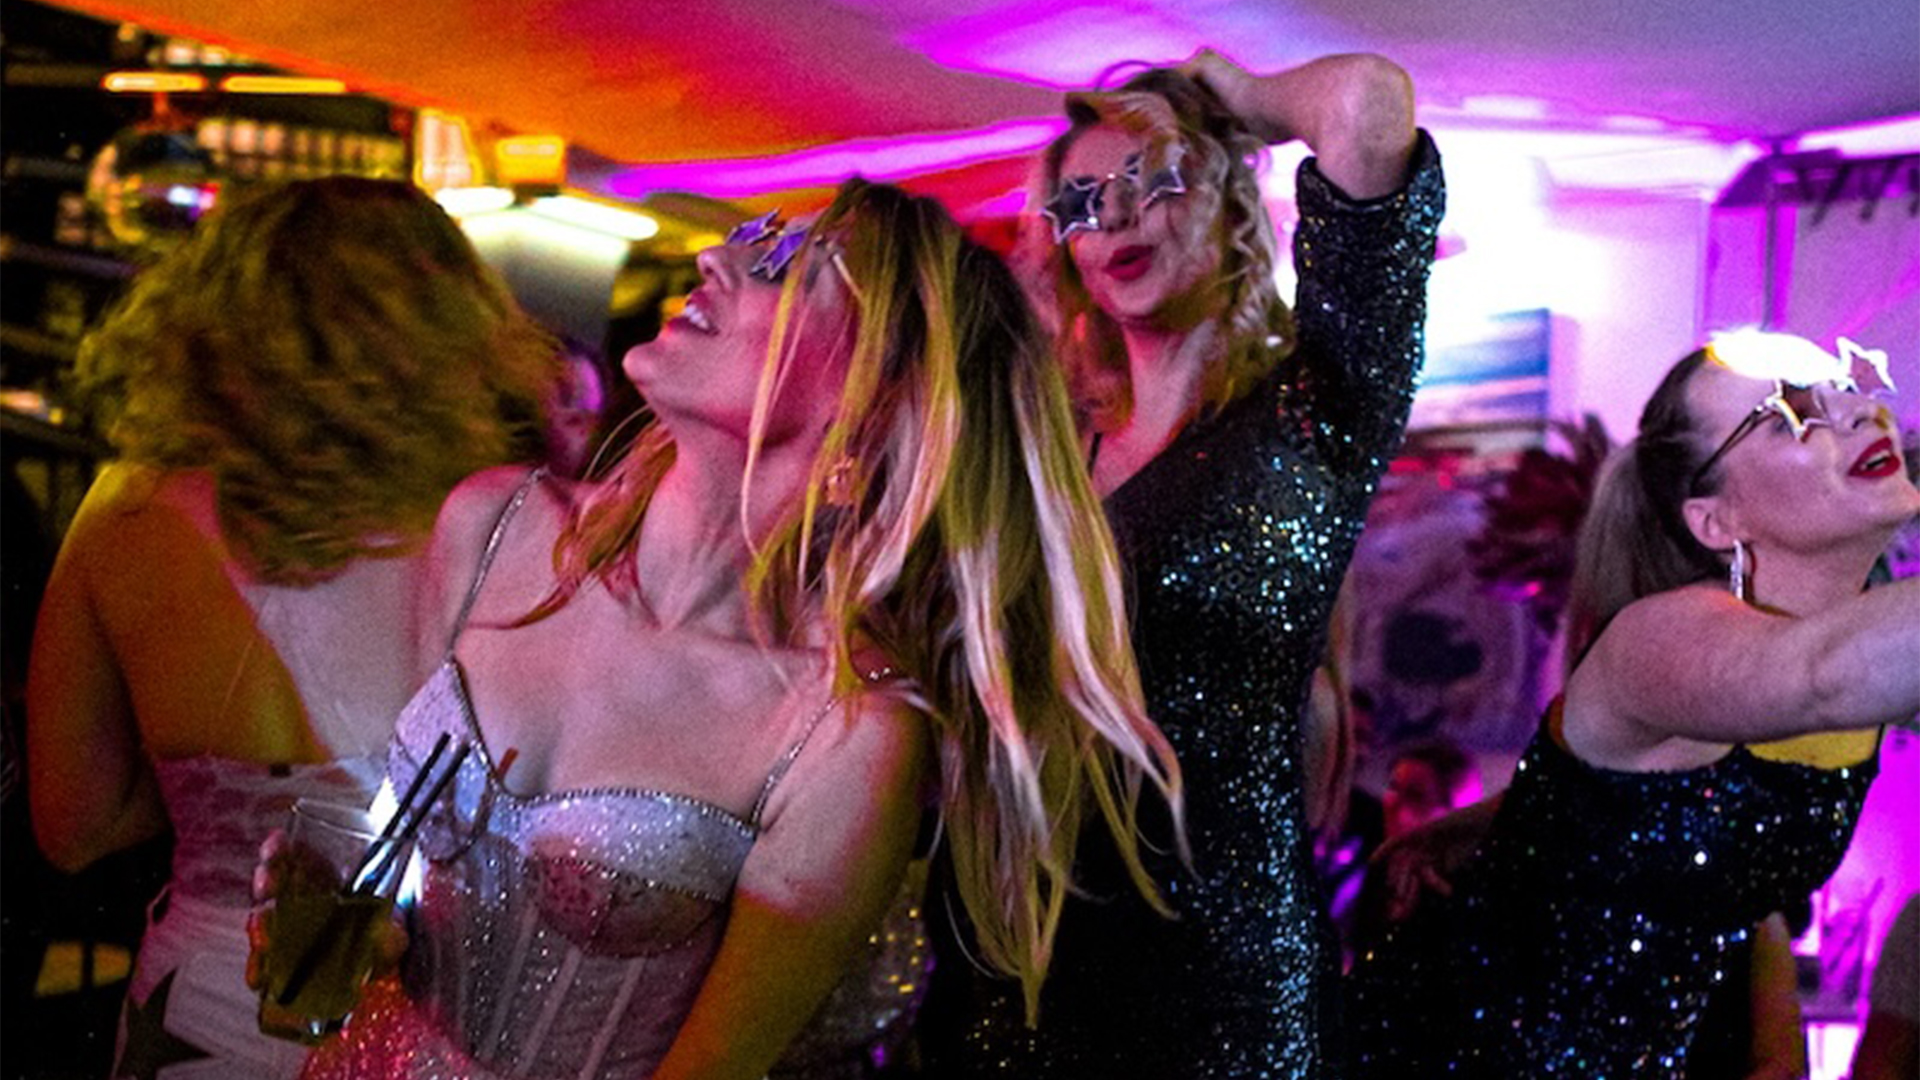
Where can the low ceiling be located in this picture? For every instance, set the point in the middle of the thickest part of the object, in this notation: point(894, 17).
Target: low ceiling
point(700, 81)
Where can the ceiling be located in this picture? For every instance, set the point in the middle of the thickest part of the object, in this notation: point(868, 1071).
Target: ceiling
point(752, 95)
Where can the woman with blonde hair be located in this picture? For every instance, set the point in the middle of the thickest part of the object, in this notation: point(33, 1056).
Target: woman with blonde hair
point(854, 567)
point(1713, 747)
point(1237, 443)
point(291, 393)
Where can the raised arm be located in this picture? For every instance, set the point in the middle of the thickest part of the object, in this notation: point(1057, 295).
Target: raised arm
point(93, 791)
point(838, 837)
point(1696, 663)
point(1355, 111)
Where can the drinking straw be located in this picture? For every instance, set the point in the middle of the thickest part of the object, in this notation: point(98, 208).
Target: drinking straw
point(416, 813)
point(399, 810)
point(418, 817)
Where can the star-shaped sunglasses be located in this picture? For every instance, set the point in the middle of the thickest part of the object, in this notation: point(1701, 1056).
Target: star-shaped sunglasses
point(1081, 201)
point(783, 244)
point(1800, 405)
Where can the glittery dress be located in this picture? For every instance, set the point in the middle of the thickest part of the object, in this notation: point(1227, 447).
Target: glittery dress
point(1235, 539)
point(554, 935)
point(1584, 938)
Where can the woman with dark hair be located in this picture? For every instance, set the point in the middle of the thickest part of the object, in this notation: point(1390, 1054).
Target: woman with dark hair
point(1712, 749)
point(292, 393)
point(854, 566)
point(1237, 444)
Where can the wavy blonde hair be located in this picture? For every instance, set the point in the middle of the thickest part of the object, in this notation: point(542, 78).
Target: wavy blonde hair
point(1167, 109)
point(949, 523)
point(335, 353)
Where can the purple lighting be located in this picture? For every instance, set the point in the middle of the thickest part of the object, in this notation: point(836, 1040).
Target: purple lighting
point(877, 159)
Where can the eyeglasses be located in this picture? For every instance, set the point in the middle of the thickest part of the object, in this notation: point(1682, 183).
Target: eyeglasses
point(783, 245)
point(1081, 201)
point(1801, 406)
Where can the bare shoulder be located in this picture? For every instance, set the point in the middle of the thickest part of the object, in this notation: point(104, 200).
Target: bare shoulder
point(466, 525)
point(1655, 625)
point(139, 516)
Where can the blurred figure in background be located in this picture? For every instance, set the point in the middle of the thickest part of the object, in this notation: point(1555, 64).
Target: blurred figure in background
point(576, 413)
point(292, 394)
point(1427, 781)
point(1889, 1046)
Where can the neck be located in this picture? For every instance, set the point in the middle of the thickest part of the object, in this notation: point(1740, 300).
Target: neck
point(1801, 584)
point(1167, 370)
point(693, 546)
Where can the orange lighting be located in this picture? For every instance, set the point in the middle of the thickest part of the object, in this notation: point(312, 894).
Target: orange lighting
point(530, 159)
point(280, 84)
point(152, 82)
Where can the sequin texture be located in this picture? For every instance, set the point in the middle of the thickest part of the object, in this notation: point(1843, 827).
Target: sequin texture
point(1235, 540)
point(1584, 938)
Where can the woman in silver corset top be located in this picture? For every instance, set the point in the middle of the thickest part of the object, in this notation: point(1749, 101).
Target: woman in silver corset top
point(853, 568)
point(291, 394)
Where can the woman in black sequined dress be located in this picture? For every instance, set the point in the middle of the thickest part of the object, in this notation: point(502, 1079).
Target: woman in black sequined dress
point(1707, 761)
point(1237, 445)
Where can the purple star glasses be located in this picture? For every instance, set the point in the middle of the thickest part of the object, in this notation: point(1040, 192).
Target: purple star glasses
point(783, 243)
point(1799, 405)
point(1081, 201)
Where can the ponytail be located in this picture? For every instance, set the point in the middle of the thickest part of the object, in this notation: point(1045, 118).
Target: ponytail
point(1635, 541)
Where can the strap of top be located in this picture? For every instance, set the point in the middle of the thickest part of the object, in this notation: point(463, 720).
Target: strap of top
point(493, 548)
point(786, 760)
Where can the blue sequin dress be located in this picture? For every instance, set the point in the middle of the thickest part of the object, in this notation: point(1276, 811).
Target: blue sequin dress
point(1585, 936)
point(1235, 538)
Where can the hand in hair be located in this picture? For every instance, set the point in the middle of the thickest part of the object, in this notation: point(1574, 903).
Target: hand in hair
point(1354, 110)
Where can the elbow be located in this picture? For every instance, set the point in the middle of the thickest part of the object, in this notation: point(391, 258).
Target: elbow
point(68, 849)
point(1832, 677)
point(1376, 103)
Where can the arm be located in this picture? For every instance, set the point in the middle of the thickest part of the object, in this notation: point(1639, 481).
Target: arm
point(816, 883)
point(1779, 1047)
point(1370, 204)
point(1354, 111)
point(93, 791)
point(1696, 663)
point(1426, 859)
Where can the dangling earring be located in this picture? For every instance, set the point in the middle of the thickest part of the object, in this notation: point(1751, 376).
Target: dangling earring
point(838, 488)
point(1738, 568)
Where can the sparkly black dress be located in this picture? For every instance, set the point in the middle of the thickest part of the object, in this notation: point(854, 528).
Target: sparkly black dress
point(1584, 937)
point(1236, 539)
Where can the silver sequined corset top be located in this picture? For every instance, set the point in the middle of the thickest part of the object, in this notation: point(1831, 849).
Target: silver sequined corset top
point(562, 934)
point(1586, 935)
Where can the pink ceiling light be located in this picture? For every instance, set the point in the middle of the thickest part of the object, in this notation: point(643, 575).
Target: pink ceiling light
point(891, 158)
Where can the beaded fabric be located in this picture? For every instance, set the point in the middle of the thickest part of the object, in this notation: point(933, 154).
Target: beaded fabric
point(555, 935)
point(1235, 539)
point(1584, 938)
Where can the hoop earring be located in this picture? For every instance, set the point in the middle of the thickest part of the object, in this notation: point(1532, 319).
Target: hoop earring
point(1738, 569)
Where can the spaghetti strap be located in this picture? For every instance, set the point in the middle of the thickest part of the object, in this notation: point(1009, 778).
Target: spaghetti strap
point(781, 766)
point(787, 759)
point(487, 554)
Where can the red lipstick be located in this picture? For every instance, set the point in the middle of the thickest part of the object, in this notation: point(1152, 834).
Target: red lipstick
point(1130, 262)
point(1876, 461)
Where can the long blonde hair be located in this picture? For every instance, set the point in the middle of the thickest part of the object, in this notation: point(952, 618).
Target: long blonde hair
point(1168, 109)
point(949, 523)
point(335, 353)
